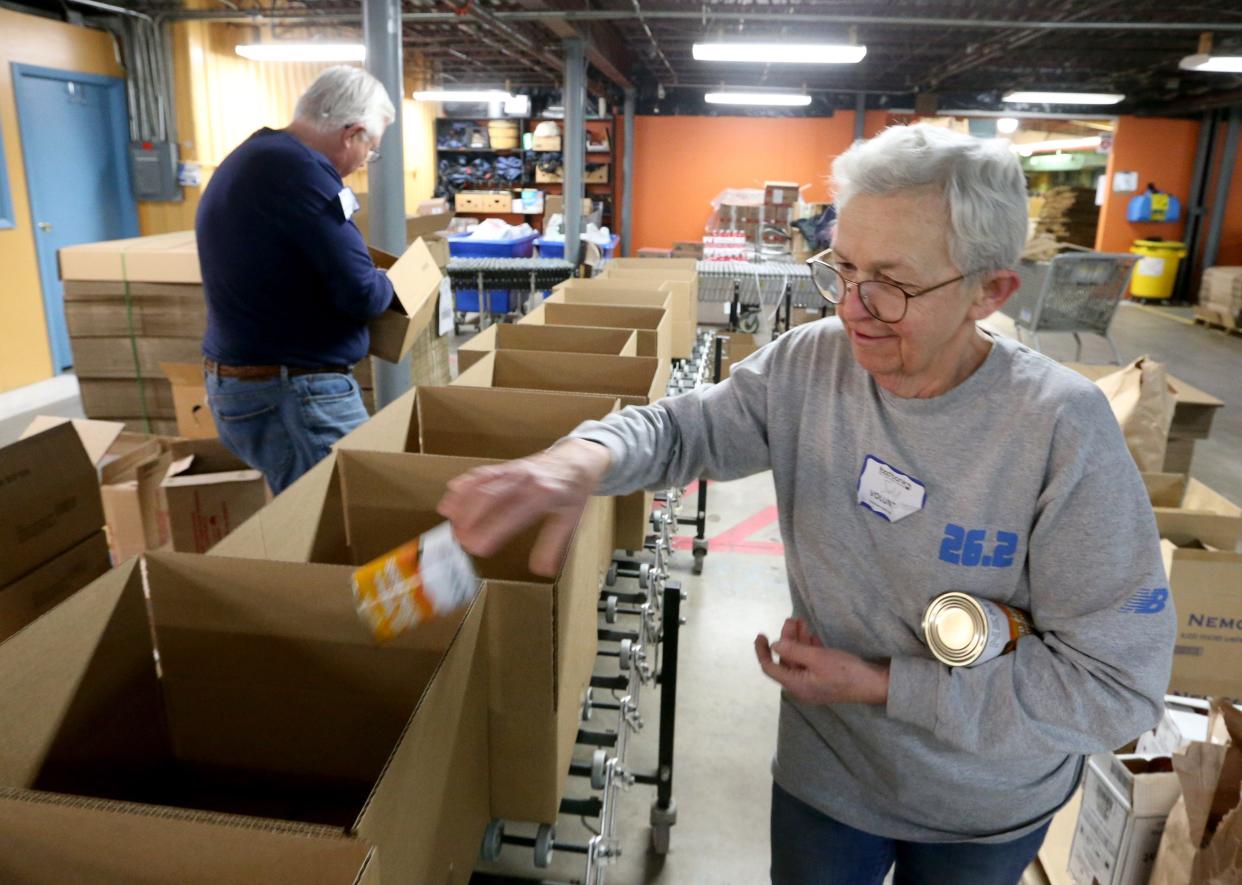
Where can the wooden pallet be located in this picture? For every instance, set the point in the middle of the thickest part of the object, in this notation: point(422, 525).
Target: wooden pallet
point(1214, 319)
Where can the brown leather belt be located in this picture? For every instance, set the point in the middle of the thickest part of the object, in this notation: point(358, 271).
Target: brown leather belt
point(262, 373)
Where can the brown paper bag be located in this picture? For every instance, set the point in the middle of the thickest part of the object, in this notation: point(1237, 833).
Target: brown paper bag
point(1202, 841)
point(1143, 404)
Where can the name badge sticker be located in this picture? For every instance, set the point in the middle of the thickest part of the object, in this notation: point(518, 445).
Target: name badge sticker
point(885, 490)
point(349, 203)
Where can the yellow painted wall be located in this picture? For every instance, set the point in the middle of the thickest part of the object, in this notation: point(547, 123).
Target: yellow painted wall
point(25, 356)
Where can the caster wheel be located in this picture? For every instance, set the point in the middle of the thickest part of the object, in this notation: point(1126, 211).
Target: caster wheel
point(599, 770)
point(610, 579)
point(493, 840)
point(625, 655)
point(610, 610)
point(749, 324)
point(660, 837)
point(697, 567)
point(644, 576)
point(545, 841)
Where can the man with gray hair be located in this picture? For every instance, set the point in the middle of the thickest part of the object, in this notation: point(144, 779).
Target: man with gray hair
point(289, 284)
point(913, 453)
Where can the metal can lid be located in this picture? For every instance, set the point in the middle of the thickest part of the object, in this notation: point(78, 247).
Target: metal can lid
point(956, 628)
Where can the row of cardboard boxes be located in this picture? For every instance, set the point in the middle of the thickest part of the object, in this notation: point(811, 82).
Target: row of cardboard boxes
point(225, 718)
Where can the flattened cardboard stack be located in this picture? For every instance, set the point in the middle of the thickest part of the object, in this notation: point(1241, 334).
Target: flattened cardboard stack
point(134, 305)
point(1220, 297)
point(1069, 215)
point(52, 539)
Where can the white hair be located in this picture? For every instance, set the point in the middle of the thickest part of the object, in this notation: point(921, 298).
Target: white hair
point(982, 182)
point(343, 96)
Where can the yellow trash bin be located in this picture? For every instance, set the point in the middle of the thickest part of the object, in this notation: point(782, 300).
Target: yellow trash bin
point(1156, 270)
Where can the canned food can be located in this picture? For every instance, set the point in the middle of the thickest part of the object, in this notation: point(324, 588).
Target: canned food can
point(419, 581)
point(963, 630)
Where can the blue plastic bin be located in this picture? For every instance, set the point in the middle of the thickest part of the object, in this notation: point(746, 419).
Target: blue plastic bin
point(556, 248)
point(499, 300)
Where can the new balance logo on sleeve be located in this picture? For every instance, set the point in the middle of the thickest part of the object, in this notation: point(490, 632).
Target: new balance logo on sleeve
point(1146, 602)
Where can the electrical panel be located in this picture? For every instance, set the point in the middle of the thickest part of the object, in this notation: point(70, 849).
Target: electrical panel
point(153, 166)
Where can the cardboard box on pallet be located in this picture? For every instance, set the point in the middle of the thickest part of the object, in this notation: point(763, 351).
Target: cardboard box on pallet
point(1206, 586)
point(633, 380)
point(109, 308)
point(637, 293)
point(207, 493)
point(1188, 511)
point(163, 258)
point(652, 324)
point(539, 633)
point(273, 740)
point(557, 339)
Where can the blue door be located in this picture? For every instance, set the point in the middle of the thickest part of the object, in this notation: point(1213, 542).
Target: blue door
point(74, 134)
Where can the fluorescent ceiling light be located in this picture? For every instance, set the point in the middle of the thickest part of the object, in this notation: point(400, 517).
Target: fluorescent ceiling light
point(1059, 144)
point(1216, 64)
point(1064, 97)
point(772, 99)
point(781, 53)
point(1007, 125)
point(302, 51)
point(465, 95)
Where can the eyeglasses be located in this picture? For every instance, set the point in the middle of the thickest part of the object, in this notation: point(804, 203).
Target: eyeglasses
point(887, 302)
point(373, 153)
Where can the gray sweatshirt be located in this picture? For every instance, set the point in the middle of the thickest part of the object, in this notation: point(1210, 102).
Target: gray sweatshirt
point(1024, 456)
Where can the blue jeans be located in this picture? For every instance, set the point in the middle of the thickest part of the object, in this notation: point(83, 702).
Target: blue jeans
point(810, 848)
point(284, 426)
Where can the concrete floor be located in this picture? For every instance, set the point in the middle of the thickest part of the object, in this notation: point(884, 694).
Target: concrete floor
point(726, 707)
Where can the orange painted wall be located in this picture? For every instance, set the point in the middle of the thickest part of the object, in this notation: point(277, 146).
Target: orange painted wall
point(681, 163)
point(1160, 150)
point(1231, 233)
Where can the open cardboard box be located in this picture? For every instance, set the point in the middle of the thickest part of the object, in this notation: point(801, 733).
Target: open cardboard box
point(238, 725)
point(1206, 586)
point(416, 279)
point(635, 381)
point(557, 339)
point(1188, 511)
point(189, 393)
point(609, 290)
point(208, 492)
point(653, 326)
point(539, 633)
point(678, 280)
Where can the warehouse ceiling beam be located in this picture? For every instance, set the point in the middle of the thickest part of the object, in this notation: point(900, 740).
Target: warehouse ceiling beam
point(606, 49)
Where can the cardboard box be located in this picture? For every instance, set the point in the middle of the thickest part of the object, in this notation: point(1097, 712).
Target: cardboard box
point(735, 347)
point(539, 633)
point(559, 339)
point(416, 279)
point(545, 143)
point(653, 326)
point(51, 583)
point(687, 249)
point(645, 292)
point(51, 499)
point(1126, 801)
point(189, 392)
point(780, 193)
point(1188, 511)
point(164, 258)
point(1206, 586)
point(114, 357)
point(208, 492)
point(633, 380)
point(133, 504)
point(272, 742)
point(482, 201)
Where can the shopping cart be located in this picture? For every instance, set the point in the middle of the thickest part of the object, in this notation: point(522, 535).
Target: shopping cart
point(1080, 293)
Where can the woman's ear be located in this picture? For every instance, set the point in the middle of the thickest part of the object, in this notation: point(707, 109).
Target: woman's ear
point(994, 290)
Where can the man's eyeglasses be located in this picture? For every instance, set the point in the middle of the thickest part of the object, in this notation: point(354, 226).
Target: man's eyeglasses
point(887, 302)
point(373, 153)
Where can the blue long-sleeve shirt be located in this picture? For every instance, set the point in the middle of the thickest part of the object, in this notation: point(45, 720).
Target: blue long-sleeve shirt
point(287, 277)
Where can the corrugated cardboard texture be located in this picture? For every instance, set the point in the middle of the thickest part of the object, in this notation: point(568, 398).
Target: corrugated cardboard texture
point(208, 492)
point(114, 357)
point(631, 379)
point(649, 319)
point(97, 436)
point(1200, 514)
point(121, 398)
point(560, 339)
point(416, 279)
point(673, 296)
point(35, 593)
point(51, 499)
point(1207, 593)
point(189, 392)
point(111, 309)
point(164, 258)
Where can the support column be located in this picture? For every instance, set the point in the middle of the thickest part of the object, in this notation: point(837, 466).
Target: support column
point(573, 145)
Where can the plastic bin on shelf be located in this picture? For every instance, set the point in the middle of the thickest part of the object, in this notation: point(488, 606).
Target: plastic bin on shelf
point(498, 300)
point(556, 248)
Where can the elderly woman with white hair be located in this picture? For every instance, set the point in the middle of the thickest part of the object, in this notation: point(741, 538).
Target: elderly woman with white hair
point(913, 453)
point(289, 284)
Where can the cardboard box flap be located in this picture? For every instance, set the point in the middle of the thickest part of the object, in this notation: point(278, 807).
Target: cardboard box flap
point(440, 758)
point(183, 373)
point(391, 429)
point(417, 226)
point(97, 436)
point(204, 456)
point(121, 843)
point(179, 475)
point(102, 632)
point(415, 276)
